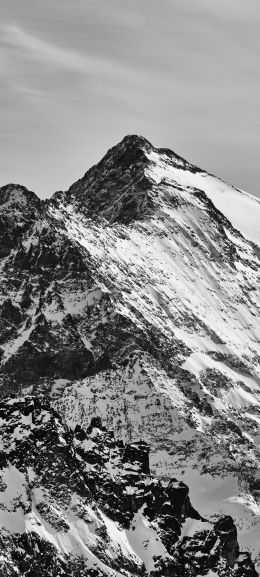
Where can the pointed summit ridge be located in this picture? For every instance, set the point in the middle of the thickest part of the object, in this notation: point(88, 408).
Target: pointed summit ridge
point(128, 151)
point(133, 147)
point(123, 187)
point(120, 188)
point(135, 140)
point(116, 188)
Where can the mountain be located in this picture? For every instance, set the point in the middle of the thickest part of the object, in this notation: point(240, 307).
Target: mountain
point(81, 503)
point(134, 297)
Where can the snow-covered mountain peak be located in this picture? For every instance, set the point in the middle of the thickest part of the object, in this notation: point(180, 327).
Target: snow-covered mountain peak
point(132, 143)
point(134, 297)
point(123, 188)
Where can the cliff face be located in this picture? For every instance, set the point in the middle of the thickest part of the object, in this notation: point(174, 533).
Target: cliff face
point(80, 502)
point(134, 297)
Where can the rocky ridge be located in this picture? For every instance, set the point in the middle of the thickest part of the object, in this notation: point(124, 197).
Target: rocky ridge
point(135, 296)
point(83, 503)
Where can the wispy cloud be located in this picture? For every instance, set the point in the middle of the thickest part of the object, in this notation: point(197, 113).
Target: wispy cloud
point(21, 50)
point(41, 50)
point(28, 92)
point(32, 47)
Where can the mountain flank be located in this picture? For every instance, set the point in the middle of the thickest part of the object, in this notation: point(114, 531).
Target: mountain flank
point(133, 298)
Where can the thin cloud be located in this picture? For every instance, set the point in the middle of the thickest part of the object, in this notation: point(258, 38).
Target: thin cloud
point(36, 49)
point(29, 93)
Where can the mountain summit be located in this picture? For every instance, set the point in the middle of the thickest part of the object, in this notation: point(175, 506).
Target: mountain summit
point(118, 188)
point(134, 298)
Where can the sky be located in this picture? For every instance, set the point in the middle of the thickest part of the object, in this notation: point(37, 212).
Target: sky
point(78, 75)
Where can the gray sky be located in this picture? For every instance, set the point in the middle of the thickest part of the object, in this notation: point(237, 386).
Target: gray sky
point(78, 75)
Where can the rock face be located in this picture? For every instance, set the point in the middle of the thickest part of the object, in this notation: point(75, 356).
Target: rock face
point(82, 503)
point(134, 297)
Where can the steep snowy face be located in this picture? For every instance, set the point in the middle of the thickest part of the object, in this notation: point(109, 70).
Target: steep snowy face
point(242, 209)
point(80, 502)
point(119, 187)
point(134, 297)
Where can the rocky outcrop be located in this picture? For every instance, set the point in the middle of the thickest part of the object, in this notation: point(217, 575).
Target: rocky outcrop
point(18, 209)
point(81, 502)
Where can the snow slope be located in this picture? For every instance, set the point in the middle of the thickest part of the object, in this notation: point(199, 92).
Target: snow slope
point(239, 207)
point(135, 296)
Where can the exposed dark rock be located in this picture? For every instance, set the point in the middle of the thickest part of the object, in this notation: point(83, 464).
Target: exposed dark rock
point(55, 474)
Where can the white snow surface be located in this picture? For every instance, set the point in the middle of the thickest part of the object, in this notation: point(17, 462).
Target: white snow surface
point(241, 208)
